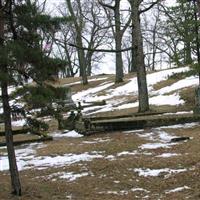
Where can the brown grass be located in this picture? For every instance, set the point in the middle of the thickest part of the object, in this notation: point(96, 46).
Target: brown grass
point(164, 83)
point(113, 175)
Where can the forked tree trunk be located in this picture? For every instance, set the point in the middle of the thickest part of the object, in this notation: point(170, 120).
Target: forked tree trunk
point(81, 53)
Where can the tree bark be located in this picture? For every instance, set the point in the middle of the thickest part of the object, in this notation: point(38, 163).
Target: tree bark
point(139, 62)
point(198, 6)
point(133, 53)
point(15, 182)
point(81, 53)
point(118, 43)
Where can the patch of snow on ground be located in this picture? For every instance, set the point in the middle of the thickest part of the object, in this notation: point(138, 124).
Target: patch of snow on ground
point(139, 190)
point(124, 153)
point(186, 125)
point(157, 172)
point(152, 79)
point(173, 99)
point(97, 140)
point(129, 89)
point(21, 122)
point(168, 155)
point(162, 139)
point(72, 134)
point(86, 94)
point(154, 146)
point(178, 113)
point(177, 189)
point(127, 153)
point(23, 155)
point(122, 192)
point(133, 131)
point(186, 82)
point(70, 176)
point(26, 158)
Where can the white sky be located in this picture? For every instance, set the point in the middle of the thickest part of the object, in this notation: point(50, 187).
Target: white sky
point(108, 62)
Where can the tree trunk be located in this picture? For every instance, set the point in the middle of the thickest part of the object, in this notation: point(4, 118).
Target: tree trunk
point(140, 65)
point(198, 6)
point(133, 53)
point(15, 182)
point(81, 53)
point(118, 42)
point(188, 53)
point(82, 61)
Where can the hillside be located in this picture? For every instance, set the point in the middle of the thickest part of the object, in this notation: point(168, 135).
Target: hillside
point(170, 90)
point(135, 164)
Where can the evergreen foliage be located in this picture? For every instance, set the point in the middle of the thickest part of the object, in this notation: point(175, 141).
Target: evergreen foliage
point(180, 26)
point(25, 58)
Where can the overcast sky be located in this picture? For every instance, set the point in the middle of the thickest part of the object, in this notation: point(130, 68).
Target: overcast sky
point(107, 65)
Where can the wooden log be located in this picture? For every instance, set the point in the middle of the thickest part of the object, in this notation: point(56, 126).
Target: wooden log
point(179, 139)
point(17, 143)
point(16, 131)
point(140, 122)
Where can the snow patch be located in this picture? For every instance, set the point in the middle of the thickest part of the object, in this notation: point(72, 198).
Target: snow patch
point(26, 159)
point(72, 134)
point(168, 155)
point(177, 189)
point(157, 172)
point(139, 190)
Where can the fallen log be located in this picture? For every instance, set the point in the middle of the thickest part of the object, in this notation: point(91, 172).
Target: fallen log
point(17, 143)
point(179, 139)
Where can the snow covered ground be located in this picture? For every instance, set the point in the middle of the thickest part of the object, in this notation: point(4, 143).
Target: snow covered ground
point(168, 95)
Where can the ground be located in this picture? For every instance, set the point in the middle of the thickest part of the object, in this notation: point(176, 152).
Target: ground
point(139, 164)
point(135, 164)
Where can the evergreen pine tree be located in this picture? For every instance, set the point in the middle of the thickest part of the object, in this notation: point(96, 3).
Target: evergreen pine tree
point(22, 57)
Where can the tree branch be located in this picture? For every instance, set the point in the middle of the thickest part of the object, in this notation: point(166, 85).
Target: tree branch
point(101, 50)
point(148, 8)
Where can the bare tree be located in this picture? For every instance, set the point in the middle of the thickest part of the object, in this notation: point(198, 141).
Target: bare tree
point(118, 32)
point(78, 24)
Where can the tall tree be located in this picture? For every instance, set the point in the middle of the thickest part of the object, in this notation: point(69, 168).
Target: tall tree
point(78, 24)
point(139, 57)
point(138, 52)
point(22, 57)
point(118, 32)
point(92, 34)
point(15, 181)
